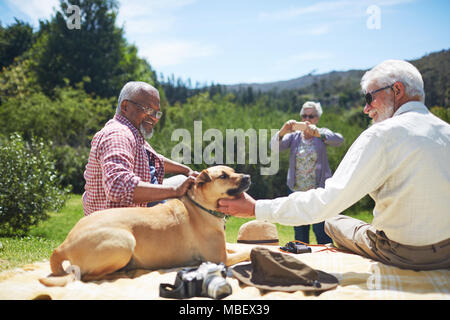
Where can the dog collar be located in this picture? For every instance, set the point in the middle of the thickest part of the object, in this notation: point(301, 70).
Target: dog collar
point(213, 212)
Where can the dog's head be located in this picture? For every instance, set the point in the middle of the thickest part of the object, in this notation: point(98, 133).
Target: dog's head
point(220, 182)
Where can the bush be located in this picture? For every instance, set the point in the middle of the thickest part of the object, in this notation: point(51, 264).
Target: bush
point(70, 164)
point(29, 184)
point(71, 117)
point(443, 113)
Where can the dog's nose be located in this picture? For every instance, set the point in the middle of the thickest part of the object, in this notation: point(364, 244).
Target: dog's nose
point(246, 178)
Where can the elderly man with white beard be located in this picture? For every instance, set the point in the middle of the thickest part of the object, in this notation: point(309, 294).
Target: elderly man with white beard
point(123, 170)
point(401, 161)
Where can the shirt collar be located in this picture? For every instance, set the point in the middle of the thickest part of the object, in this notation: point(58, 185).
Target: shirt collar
point(415, 106)
point(121, 119)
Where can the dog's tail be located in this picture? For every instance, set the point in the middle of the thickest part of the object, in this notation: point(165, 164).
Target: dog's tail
point(59, 277)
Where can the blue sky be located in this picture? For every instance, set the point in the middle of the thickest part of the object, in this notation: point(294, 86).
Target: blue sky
point(262, 41)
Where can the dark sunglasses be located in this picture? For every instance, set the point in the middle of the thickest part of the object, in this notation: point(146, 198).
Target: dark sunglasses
point(369, 96)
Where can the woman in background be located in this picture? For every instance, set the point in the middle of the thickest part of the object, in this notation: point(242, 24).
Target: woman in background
point(308, 160)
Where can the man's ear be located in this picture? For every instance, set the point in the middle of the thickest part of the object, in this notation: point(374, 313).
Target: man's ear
point(124, 106)
point(203, 177)
point(399, 89)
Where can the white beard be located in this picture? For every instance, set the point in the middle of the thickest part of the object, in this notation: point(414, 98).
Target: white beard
point(386, 114)
point(145, 133)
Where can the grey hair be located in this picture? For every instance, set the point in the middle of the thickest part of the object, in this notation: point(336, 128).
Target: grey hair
point(130, 89)
point(312, 105)
point(390, 71)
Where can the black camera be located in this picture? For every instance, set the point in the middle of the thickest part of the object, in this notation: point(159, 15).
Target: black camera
point(208, 280)
point(294, 247)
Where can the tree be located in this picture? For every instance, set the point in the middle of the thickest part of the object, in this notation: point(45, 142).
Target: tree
point(96, 54)
point(14, 40)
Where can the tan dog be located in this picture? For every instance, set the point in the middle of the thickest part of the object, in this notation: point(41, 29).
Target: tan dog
point(173, 234)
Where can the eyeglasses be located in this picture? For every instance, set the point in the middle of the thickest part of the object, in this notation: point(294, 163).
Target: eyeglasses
point(148, 110)
point(308, 116)
point(369, 96)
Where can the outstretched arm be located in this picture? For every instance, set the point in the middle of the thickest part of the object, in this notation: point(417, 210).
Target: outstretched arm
point(171, 166)
point(241, 207)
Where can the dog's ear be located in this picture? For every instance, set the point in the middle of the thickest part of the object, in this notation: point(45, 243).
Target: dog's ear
point(203, 177)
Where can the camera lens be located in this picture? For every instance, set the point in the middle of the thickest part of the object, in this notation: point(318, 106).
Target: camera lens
point(217, 287)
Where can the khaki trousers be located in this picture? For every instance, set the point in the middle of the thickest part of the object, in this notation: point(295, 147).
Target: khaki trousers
point(363, 239)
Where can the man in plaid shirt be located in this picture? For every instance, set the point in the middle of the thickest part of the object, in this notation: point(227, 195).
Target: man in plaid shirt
point(123, 170)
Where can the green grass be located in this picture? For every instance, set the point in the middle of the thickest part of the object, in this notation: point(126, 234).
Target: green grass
point(285, 233)
point(45, 237)
point(42, 239)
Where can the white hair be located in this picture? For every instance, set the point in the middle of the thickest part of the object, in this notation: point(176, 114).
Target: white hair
point(390, 71)
point(130, 89)
point(312, 105)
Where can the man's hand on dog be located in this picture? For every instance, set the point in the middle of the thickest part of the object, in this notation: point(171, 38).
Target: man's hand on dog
point(242, 207)
point(184, 187)
point(192, 173)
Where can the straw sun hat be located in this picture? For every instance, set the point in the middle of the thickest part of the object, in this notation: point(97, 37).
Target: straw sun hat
point(258, 232)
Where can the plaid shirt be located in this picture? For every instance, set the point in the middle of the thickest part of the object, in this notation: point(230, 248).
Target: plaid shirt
point(117, 162)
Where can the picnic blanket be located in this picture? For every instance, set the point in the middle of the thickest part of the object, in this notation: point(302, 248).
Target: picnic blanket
point(359, 278)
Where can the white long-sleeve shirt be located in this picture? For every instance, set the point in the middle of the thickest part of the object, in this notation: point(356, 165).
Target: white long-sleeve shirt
point(403, 163)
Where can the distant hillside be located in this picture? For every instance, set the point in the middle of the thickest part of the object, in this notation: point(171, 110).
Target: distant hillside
point(435, 70)
point(434, 67)
point(298, 83)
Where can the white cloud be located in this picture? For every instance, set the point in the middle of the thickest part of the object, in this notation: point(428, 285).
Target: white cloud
point(150, 23)
point(342, 8)
point(320, 7)
point(145, 26)
point(35, 9)
point(146, 6)
point(144, 16)
point(175, 52)
point(138, 16)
